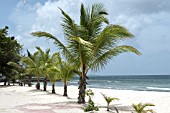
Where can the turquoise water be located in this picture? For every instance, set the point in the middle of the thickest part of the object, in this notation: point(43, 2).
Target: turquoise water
point(140, 83)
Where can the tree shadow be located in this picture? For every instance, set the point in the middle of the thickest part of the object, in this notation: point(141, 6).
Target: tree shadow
point(120, 107)
point(46, 93)
point(5, 86)
point(52, 106)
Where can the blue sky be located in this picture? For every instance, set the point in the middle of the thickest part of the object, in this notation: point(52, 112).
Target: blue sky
point(149, 21)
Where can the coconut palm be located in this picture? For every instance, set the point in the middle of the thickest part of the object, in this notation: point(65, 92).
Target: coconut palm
point(109, 100)
point(90, 45)
point(67, 71)
point(140, 108)
point(53, 75)
point(51, 71)
point(18, 71)
point(44, 62)
point(33, 66)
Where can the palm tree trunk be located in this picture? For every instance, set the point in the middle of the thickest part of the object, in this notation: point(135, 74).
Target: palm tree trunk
point(5, 81)
point(38, 84)
point(65, 89)
point(107, 107)
point(45, 84)
point(8, 82)
point(53, 88)
point(21, 83)
point(29, 81)
point(82, 88)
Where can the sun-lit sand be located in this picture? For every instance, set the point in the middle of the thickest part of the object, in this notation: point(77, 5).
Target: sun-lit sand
point(18, 99)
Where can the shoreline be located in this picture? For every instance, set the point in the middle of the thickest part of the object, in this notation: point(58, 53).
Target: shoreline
point(23, 99)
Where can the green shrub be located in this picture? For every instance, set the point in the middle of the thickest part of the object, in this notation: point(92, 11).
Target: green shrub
point(91, 106)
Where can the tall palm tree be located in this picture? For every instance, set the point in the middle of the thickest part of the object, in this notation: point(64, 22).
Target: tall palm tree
point(140, 108)
point(90, 45)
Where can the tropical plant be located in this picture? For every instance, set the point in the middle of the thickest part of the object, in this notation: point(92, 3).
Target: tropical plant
point(67, 71)
point(44, 63)
point(91, 106)
point(52, 71)
point(9, 52)
point(89, 93)
point(140, 108)
point(18, 71)
point(109, 100)
point(53, 75)
point(33, 66)
point(90, 45)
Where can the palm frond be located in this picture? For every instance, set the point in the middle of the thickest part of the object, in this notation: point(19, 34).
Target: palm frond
point(69, 27)
point(91, 21)
point(109, 37)
point(81, 41)
point(139, 108)
point(109, 99)
point(53, 74)
point(54, 57)
point(146, 104)
point(61, 46)
point(28, 61)
point(102, 60)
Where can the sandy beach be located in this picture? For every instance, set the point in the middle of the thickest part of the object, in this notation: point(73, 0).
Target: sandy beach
point(18, 99)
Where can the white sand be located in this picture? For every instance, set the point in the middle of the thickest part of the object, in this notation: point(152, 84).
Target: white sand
point(18, 99)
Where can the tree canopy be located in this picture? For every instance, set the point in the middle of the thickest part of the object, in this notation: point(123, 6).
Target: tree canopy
point(9, 52)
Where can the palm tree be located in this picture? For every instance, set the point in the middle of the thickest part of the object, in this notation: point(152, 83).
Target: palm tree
point(29, 75)
point(139, 108)
point(33, 66)
point(53, 73)
point(109, 100)
point(89, 44)
point(67, 71)
point(45, 60)
point(18, 71)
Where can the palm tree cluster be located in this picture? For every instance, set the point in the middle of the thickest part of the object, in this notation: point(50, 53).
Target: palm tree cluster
point(91, 43)
point(42, 64)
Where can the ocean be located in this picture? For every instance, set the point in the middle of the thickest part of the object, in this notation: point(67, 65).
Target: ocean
point(159, 83)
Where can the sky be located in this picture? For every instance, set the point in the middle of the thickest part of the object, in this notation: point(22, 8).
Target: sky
point(148, 20)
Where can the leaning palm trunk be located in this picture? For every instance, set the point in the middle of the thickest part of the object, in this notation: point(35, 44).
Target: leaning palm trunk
point(65, 89)
point(45, 84)
point(53, 88)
